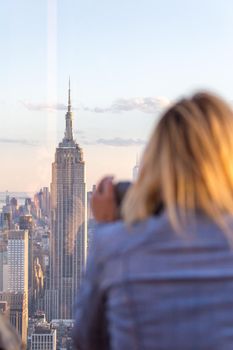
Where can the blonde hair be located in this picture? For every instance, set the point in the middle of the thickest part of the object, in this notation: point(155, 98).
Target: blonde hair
point(188, 163)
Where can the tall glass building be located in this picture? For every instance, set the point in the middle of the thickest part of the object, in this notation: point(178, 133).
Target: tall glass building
point(68, 224)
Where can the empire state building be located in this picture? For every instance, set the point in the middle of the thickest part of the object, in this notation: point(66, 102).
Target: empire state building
point(68, 223)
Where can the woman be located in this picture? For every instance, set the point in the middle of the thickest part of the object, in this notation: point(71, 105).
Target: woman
point(165, 281)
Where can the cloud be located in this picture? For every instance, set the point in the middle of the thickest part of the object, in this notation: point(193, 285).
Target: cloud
point(46, 106)
point(115, 141)
point(148, 105)
point(21, 142)
point(120, 142)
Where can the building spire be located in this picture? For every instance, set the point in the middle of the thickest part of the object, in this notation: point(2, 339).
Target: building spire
point(69, 130)
point(69, 100)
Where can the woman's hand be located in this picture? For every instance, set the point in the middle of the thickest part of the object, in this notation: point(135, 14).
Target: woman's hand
point(103, 201)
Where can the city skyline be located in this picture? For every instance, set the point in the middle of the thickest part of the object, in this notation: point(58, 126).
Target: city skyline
point(126, 60)
point(44, 250)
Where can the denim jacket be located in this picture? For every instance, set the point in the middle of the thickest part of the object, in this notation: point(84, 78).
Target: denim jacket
point(147, 287)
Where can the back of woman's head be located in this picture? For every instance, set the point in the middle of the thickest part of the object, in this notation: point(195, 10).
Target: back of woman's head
point(188, 163)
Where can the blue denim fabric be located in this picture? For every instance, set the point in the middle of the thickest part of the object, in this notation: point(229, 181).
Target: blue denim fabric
point(147, 287)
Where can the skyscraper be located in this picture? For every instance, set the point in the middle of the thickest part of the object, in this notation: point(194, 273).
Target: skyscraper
point(17, 294)
point(18, 261)
point(91, 222)
point(68, 224)
point(3, 267)
point(17, 305)
point(136, 170)
point(26, 223)
point(43, 337)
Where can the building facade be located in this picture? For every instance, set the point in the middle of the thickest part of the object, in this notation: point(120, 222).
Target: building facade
point(26, 223)
point(91, 222)
point(17, 294)
point(3, 267)
point(17, 303)
point(64, 330)
point(136, 171)
point(68, 224)
point(44, 338)
point(18, 261)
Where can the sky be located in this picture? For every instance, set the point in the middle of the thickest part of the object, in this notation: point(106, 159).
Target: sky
point(127, 60)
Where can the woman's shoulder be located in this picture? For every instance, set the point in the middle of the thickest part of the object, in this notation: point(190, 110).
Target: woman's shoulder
point(118, 238)
point(121, 229)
